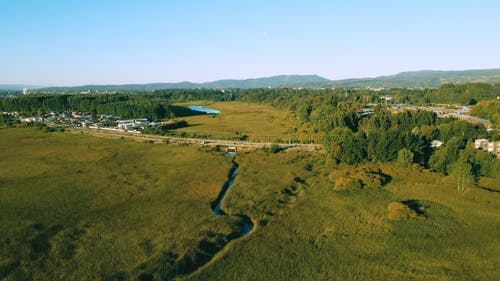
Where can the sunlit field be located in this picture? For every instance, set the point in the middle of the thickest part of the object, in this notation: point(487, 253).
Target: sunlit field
point(239, 119)
point(76, 207)
point(309, 231)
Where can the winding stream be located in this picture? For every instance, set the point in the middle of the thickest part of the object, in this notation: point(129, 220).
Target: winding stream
point(247, 223)
point(208, 249)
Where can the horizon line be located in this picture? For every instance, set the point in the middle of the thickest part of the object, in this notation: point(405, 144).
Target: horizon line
point(238, 79)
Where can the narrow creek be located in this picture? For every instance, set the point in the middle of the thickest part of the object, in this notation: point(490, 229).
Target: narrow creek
point(207, 250)
point(216, 206)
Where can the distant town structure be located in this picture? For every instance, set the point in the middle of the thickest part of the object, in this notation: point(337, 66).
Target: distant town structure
point(489, 146)
point(386, 97)
point(25, 91)
point(133, 124)
point(436, 143)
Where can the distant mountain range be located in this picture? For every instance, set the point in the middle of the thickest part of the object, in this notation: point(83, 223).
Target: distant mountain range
point(413, 79)
point(422, 79)
point(17, 87)
point(274, 82)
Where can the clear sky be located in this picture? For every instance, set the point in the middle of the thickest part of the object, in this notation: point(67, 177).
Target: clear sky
point(75, 42)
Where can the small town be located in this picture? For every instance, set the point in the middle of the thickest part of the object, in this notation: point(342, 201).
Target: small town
point(75, 119)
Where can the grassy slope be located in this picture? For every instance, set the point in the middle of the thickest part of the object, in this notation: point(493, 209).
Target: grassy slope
point(258, 122)
point(81, 208)
point(322, 234)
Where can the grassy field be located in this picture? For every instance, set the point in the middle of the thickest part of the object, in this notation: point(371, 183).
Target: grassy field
point(81, 208)
point(257, 122)
point(308, 231)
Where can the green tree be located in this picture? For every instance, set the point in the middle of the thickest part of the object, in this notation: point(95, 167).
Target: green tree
point(405, 157)
point(346, 146)
point(461, 171)
point(446, 155)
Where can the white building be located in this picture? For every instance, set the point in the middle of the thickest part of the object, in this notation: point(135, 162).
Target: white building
point(30, 119)
point(489, 146)
point(480, 143)
point(132, 124)
point(436, 143)
point(124, 124)
point(494, 147)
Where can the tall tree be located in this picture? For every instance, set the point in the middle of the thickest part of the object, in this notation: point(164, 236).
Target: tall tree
point(461, 171)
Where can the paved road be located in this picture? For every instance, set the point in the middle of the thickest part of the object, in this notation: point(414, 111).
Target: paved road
point(206, 142)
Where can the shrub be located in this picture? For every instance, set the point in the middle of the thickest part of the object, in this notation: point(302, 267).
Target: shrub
point(405, 157)
point(274, 148)
point(400, 211)
point(48, 129)
point(351, 178)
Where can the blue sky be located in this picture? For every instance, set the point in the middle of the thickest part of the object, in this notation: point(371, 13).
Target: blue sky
point(74, 42)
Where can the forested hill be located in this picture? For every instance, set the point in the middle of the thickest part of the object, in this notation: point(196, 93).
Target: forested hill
point(423, 79)
point(414, 79)
point(274, 82)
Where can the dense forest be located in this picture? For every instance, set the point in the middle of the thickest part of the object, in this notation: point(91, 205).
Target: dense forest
point(125, 106)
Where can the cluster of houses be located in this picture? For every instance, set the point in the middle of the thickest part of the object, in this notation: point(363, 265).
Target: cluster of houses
point(135, 124)
point(81, 119)
point(489, 146)
point(72, 119)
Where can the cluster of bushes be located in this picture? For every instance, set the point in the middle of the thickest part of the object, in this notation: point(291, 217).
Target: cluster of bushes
point(7, 120)
point(405, 210)
point(273, 148)
point(365, 176)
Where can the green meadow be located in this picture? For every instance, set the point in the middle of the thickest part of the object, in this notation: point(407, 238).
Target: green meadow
point(76, 207)
point(309, 231)
point(81, 208)
point(250, 121)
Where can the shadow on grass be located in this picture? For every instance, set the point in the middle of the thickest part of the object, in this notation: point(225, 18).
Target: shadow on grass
point(169, 265)
point(488, 189)
point(182, 111)
point(194, 125)
point(416, 206)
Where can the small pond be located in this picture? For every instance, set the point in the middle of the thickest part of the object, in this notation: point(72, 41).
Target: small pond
point(201, 108)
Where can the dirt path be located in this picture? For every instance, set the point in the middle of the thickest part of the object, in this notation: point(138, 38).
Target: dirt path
point(206, 142)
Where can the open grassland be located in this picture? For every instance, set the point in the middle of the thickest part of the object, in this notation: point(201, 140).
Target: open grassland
point(238, 119)
point(309, 231)
point(81, 208)
point(74, 207)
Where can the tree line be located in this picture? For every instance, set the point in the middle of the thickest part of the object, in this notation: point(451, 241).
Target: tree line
point(330, 116)
point(122, 105)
